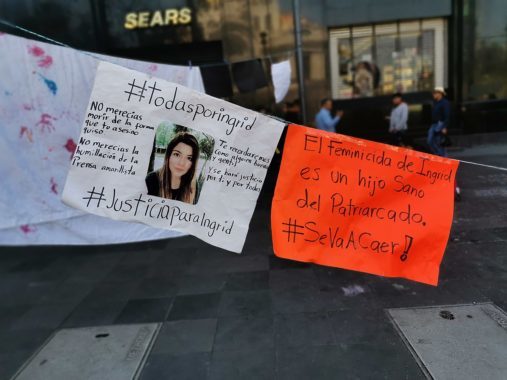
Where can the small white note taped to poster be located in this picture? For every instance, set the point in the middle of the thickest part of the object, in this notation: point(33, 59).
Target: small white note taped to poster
point(158, 153)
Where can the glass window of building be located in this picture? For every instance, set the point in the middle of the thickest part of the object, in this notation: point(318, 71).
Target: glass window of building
point(484, 50)
point(382, 59)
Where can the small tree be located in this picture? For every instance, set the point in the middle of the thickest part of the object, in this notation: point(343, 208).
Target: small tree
point(164, 134)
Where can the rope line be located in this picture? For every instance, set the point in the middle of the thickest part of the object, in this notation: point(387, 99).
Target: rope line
point(484, 165)
point(287, 53)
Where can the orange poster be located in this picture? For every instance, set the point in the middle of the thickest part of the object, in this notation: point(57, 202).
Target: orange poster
point(360, 205)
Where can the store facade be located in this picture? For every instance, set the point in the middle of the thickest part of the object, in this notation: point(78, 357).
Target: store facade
point(358, 52)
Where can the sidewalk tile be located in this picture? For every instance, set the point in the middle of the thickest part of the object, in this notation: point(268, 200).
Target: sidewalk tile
point(242, 364)
point(46, 316)
point(305, 329)
point(11, 361)
point(197, 306)
point(236, 333)
point(145, 310)
point(217, 263)
point(156, 287)
point(253, 303)
point(183, 367)
point(289, 279)
point(279, 263)
point(248, 281)
point(303, 301)
point(23, 340)
point(95, 314)
point(201, 284)
point(184, 337)
point(311, 362)
point(352, 326)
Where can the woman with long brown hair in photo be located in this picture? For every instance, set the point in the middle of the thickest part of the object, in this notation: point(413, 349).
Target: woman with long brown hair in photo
point(175, 179)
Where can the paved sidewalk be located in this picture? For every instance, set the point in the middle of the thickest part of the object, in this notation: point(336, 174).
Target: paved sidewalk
point(252, 316)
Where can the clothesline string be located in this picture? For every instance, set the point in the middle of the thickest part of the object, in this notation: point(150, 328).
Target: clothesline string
point(484, 165)
point(9, 24)
point(48, 39)
point(462, 161)
point(206, 65)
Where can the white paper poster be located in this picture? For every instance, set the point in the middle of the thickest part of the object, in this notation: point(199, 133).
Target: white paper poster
point(281, 72)
point(159, 153)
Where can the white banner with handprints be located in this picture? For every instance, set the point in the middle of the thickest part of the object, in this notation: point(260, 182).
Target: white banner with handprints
point(44, 92)
point(159, 153)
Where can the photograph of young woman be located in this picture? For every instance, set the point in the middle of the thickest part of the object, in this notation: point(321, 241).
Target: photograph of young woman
point(175, 179)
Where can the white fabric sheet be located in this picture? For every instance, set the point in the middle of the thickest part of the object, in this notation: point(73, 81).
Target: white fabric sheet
point(44, 92)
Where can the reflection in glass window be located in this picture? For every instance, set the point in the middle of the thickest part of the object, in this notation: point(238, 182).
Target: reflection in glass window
point(386, 58)
point(485, 50)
